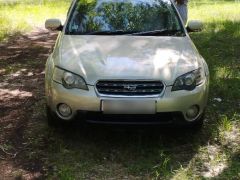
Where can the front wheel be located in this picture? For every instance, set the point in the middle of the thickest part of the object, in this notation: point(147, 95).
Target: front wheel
point(52, 119)
point(198, 123)
point(195, 125)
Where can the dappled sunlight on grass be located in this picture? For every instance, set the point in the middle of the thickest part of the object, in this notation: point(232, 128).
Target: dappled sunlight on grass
point(229, 132)
point(212, 161)
point(218, 43)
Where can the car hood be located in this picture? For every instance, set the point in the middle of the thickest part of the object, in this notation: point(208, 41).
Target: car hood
point(127, 57)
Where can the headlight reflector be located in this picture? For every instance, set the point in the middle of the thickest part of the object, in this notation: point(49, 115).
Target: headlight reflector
point(69, 80)
point(189, 81)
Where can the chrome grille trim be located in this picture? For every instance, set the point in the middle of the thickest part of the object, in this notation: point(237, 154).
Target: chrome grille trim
point(130, 88)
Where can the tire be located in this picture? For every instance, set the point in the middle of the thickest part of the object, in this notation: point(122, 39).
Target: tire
point(52, 119)
point(197, 124)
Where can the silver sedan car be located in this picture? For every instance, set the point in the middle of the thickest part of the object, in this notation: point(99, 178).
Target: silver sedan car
point(125, 62)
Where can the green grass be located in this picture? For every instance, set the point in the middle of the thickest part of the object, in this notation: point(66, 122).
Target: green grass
point(218, 43)
point(22, 16)
point(214, 152)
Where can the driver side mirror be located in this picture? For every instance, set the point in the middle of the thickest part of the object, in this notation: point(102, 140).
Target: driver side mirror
point(194, 26)
point(53, 24)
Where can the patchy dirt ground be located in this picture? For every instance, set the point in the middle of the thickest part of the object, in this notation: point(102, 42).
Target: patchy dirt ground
point(21, 88)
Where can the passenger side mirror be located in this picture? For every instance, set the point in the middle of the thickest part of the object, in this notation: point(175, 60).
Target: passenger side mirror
point(53, 24)
point(194, 26)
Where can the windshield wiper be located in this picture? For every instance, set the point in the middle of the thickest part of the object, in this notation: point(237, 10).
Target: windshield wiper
point(117, 32)
point(162, 32)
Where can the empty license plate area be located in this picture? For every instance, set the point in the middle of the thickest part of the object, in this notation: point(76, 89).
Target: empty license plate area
point(128, 106)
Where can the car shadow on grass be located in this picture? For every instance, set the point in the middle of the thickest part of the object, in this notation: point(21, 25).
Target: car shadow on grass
point(137, 151)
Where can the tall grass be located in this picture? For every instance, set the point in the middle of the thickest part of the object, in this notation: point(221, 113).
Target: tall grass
point(20, 16)
point(215, 10)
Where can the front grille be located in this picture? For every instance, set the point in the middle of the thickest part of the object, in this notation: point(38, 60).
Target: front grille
point(130, 88)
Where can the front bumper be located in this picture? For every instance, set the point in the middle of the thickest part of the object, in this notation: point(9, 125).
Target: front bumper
point(170, 102)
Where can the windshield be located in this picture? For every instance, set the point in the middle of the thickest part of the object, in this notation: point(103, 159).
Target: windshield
point(136, 17)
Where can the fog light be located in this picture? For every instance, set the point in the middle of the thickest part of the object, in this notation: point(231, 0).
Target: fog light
point(64, 110)
point(192, 112)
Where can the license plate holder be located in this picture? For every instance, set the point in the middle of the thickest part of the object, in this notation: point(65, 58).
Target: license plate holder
point(128, 106)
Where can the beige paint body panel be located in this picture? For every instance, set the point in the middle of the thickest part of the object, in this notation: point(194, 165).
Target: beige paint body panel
point(177, 101)
point(127, 57)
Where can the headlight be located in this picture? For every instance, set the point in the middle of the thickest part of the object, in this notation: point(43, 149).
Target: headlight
point(69, 80)
point(189, 81)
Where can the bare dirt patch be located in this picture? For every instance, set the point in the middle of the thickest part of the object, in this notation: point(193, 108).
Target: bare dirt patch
point(22, 61)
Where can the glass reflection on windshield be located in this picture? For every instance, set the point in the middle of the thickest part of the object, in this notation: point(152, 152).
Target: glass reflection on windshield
point(122, 17)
